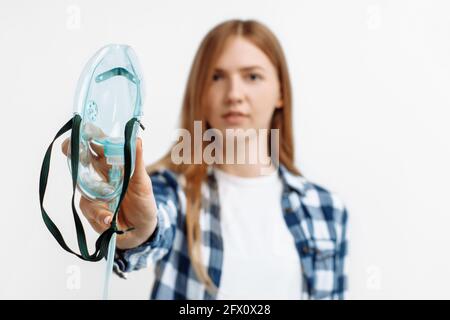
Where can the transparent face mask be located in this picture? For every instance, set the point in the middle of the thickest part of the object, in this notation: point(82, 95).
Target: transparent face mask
point(104, 126)
point(109, 93)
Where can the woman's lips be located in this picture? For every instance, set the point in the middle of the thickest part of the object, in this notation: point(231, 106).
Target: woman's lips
point(234, 117)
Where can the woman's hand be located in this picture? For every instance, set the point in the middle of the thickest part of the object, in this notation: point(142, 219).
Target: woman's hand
point(138, 207)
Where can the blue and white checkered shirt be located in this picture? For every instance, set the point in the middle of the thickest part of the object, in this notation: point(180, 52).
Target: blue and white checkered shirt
point(316, 218)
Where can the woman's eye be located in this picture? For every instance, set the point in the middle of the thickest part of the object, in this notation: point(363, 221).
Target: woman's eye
point(254, 76)
point(216, 77)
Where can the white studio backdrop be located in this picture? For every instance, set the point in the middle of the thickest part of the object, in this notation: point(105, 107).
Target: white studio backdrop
point(371, 84)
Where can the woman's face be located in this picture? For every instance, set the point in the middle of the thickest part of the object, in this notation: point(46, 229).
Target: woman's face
point(244, 90)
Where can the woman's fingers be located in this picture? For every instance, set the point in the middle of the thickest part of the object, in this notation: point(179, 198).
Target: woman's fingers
point(140, 190)
point(84, 157)
point(98, 149)
point(65, 146)
point(97, 214)
point(100, 218)
point(96, 158)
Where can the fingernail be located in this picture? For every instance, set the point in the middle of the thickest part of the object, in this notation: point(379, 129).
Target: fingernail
point(107, 220)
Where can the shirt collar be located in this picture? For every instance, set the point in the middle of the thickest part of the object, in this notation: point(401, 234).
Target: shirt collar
point(294, 182)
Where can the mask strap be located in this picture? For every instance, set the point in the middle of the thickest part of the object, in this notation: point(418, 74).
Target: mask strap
point(101, 245)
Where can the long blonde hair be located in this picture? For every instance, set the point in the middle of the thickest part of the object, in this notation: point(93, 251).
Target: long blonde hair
point(193, 110)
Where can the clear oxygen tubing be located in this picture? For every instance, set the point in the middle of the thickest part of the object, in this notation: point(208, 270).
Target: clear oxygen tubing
point(114, 175)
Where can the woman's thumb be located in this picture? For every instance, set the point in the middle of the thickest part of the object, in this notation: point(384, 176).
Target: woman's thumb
point(139, 171)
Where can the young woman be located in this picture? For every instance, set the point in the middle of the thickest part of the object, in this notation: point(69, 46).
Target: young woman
point(230, 229)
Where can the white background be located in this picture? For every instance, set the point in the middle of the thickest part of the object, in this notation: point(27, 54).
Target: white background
point(371, 86)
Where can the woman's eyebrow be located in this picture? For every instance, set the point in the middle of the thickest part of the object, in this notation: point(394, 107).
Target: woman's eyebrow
point(251, 68)
point(247, 68)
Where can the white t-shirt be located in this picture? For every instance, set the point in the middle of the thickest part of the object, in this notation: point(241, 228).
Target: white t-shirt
point(260, 259)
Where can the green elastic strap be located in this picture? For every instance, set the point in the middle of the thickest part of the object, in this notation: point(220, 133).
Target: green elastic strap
point(101, 245)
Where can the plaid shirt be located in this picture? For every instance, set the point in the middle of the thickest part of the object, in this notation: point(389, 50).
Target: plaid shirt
point(316, 218)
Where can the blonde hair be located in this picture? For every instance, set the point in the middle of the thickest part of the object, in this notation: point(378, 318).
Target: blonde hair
point(193, 110)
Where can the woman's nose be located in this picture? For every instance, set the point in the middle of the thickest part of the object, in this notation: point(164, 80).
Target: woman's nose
point(235, 91)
